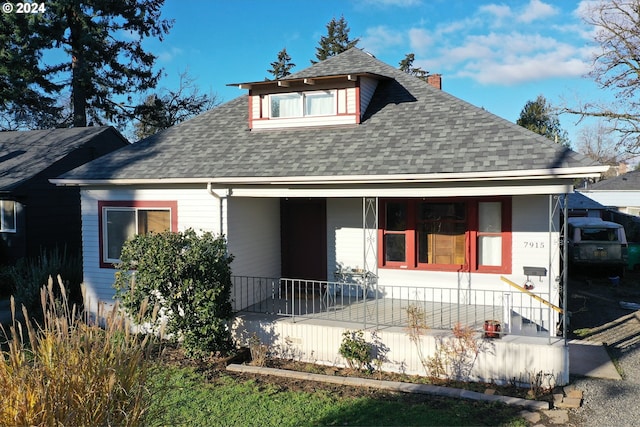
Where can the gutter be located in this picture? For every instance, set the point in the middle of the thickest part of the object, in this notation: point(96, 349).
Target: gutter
point(582, 172)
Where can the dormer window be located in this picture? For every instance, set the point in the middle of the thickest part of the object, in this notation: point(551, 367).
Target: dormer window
point(303, 104)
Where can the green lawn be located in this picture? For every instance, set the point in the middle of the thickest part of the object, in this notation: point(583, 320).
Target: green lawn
point(185, 398)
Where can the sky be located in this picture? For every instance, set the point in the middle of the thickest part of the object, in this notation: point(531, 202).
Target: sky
point(497, 54)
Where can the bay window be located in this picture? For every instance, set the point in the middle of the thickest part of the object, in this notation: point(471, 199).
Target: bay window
point(122, 220)
point(466, 234)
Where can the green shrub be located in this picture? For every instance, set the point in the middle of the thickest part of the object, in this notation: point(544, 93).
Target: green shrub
point(70, 371)
point(356, 350)
point(189, 278)
point(29, 275)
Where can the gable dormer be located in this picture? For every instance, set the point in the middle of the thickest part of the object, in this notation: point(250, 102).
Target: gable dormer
point(303, 102)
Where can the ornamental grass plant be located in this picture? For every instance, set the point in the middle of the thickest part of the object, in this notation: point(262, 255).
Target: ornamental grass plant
point(73, 369)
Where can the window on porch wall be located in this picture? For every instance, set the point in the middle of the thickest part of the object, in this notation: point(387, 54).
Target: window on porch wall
point(448, 235)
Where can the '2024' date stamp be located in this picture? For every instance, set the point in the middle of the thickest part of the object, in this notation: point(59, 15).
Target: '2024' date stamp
point(23, 7)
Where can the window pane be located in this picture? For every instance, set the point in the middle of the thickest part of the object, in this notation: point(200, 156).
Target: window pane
point(153, 221)
point(120, 227)
point(286, 105)
point(442, 242)
point(490, 250)
point(396, 217)
point(319, 104)
point(394, 247)
point(8, 215)
point(490, 220)
point(440, 211)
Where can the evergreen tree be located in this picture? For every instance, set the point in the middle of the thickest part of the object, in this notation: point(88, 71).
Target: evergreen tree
point(539, 116)
point(282, 66)
point(336, 41)
point(102, 41)
point(406, 65)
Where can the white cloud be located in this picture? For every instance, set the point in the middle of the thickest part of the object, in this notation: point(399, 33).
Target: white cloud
point(536, 10)
point(509, 59)
point(420, 40)
point(380, 38)
point(169, 55)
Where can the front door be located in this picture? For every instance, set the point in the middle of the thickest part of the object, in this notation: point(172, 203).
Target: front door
point(304, 238)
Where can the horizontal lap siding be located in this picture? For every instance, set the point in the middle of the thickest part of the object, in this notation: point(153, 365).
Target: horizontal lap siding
point(254, 236)
point(345, 240)
point(197, 209)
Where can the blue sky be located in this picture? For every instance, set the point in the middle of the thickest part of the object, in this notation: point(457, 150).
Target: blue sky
point(494, 54)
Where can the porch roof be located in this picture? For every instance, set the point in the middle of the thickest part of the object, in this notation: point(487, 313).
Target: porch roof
point(409, 129)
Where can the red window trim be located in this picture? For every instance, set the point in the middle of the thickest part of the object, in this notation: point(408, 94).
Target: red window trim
point(471, 237)
point(172, 205)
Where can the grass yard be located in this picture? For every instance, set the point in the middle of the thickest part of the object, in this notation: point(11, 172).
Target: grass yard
point(185, 397)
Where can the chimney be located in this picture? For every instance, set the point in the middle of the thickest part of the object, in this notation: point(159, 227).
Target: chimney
point(435, 80)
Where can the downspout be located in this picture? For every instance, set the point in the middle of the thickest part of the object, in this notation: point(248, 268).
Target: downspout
point(220, 200)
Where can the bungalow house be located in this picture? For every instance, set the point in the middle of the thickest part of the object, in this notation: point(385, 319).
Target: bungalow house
point(347, 192)
point(34, 214)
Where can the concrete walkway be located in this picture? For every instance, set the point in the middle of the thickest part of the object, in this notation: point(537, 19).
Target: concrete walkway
point(589, 359)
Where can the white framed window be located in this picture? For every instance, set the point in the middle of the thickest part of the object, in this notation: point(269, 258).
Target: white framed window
point(120, 221)
point(303, 104)
point(7, 216)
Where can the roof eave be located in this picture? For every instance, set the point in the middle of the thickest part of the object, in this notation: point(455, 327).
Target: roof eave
point(560, 173)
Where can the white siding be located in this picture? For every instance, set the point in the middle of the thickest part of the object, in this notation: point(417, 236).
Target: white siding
point(345, 239)
point(197, 209)
point(254, 236)
point(304, 121)
point(501, 360)
point(367, 88)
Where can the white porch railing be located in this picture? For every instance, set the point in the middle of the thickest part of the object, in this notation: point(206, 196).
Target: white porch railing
point(371, 306)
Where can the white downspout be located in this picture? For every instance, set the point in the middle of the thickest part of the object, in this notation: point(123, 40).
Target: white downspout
point(221, 200)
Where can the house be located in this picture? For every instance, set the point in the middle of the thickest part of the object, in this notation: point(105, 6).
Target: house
point(581, 205)
point(34, 214)
point(346, 188)
point(621, 193)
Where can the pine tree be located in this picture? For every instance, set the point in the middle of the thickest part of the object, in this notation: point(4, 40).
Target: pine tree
point(336, 41)
point(282, 66)
point(406, 65)
point(101, 64)
point(538, 116)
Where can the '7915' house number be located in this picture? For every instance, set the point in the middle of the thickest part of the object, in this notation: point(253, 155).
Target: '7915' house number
point(534, 245)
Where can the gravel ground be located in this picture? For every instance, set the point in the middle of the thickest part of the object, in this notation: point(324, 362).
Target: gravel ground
point(596, 303)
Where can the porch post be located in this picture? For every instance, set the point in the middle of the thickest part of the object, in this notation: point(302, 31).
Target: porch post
point(370, 253)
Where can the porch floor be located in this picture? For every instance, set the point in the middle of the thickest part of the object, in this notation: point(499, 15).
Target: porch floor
point(390, 312)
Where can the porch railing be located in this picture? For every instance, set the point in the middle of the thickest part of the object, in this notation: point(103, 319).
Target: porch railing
point(386, 306)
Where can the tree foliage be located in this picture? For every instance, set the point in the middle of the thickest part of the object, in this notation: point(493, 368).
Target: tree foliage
point(170, 107)
point(282, 66)
point(336, 41)
point(406, 65)
point(188, 276)
point(540, 117)
point(616, 68)
point(100, 43)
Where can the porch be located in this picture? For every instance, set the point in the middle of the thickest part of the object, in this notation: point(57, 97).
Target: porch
point(360, 302)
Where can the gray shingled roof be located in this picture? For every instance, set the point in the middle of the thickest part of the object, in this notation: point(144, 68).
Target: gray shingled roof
point(629, 181)
point(409, 127)
point(24, 154)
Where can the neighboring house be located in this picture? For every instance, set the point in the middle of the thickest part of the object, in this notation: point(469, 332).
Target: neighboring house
point(34, 214)
point(621, 193)
point(353, 182)
point(581, 205)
